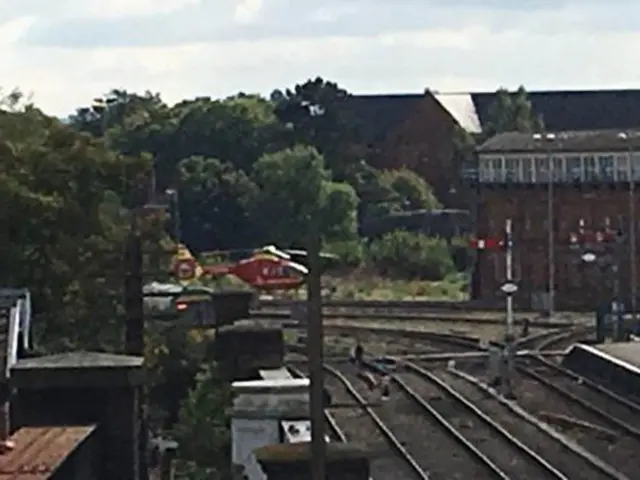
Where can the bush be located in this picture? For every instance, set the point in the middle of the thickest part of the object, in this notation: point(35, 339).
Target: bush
point(350, 253)
point(461, 254)
point(412, 256)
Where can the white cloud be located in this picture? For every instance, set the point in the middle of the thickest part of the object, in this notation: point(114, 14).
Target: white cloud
point(247, 11)
point(545, 49)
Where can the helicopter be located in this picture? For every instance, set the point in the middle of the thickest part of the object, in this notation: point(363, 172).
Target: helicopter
point(266, 269)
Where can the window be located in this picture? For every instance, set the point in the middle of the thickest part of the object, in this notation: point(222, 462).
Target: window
point(606, 167)
point(590, 168)
point(512, 169)
point(497, 170)
point(635, 166)
point(574, 168)
point(558, 168)
point(484, 173)
point(622, 168)
point(527, 169)
point(542, 170)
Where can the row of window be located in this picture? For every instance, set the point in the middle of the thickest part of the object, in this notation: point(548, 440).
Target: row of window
point(567, 168)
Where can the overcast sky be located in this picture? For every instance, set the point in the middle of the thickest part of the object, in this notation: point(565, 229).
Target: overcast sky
point(66, 52)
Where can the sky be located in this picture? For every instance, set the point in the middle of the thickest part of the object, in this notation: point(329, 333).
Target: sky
point(66, 52)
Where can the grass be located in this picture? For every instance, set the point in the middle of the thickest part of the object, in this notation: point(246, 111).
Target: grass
point(358, 287)
point(363, 284)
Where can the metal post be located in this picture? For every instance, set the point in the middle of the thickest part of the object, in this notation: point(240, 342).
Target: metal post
point(509, 278)
point(509, 338)
point(551, 246)
point(632, 235)
point(315, 341)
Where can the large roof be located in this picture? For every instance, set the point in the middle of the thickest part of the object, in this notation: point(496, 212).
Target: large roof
point(560, 110)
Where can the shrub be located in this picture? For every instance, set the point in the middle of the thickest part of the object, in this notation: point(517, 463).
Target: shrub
point(462, 254)
point(350, 253)
point(410, 255)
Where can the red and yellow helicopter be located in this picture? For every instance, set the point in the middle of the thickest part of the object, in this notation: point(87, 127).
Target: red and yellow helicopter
point(266, 268)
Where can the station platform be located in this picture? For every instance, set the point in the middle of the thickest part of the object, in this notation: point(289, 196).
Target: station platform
point(615, 366)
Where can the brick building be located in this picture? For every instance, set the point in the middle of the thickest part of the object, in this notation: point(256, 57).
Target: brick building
point(417, 130)
point(590, 181)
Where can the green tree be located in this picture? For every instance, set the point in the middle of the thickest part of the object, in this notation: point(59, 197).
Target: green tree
point(203, 430)
point(512, 112)
point(214, 204)
point(293, 188)
point(377, 197)
point(317, 113)
point(63, 237)
point(412, 191)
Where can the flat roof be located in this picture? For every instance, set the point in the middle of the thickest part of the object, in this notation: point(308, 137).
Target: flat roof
point(275, 374)
point(272, 384)
point(626, 354)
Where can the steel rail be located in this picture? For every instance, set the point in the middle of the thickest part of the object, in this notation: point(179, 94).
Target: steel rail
point(488, 421)
point(605, 469)
point(402, 452)
point(584, 404)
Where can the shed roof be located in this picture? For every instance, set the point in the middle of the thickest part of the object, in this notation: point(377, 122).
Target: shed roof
point(40, 451)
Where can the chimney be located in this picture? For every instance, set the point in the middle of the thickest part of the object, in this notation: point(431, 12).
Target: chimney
point(292, 461)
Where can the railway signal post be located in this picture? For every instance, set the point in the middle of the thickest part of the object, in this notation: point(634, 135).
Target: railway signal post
point(509, 288)
point(592, 244)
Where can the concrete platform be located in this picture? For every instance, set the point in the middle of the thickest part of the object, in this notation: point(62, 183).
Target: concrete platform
point(616, 366)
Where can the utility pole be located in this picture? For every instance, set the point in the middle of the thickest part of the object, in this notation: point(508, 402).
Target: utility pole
point(134, 327)
point(549, 139)
point(134, 303)
point(315, 341)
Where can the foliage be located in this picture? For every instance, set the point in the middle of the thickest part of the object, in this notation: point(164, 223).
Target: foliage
point(64, 209)
point(412, 192)
point(203, 430)
point(409, 255)
point(350, 252)
point(317, 114)
point(214, 194)
point(512, 112)
point(295, 193)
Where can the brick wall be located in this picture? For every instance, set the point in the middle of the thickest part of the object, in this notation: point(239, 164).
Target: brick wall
point(577, 284)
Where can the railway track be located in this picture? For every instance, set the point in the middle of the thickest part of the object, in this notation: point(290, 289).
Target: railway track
point(362, 425)
point(600, 421)
point(564, 458)
point(460, 441)
point(412, 315)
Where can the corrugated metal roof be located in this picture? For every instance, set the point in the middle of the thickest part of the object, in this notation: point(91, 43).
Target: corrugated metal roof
point(39, 451)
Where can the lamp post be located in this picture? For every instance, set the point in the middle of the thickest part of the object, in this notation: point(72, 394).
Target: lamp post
point(549, 138)
point(632, 224)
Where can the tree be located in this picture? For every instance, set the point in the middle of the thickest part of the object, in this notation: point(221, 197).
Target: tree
point(203, 432)
point(512, 112)
point(317, 113)
point(214, 204)
point(412, 191)
point(377, 197)
point(293, 189)
point(63, 237)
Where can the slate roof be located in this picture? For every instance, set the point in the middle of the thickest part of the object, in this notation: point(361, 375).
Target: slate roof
point(561, 110)
point(573, 141)
point(377, 115)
